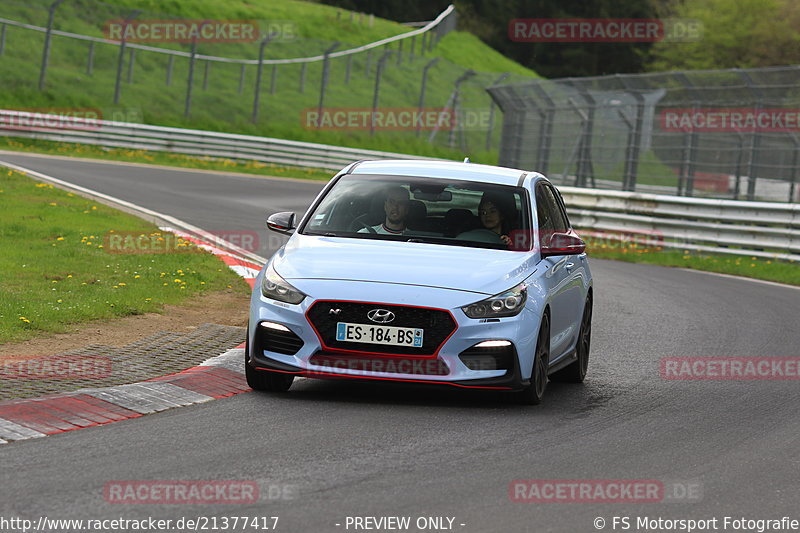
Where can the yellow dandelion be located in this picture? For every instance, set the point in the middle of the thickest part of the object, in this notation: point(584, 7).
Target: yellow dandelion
point(137, 276)
point(60, 238)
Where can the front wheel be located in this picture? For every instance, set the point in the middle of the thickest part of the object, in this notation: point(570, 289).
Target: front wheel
point(534, 392)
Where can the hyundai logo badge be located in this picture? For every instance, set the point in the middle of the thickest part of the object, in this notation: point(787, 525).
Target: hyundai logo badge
point(381, 316)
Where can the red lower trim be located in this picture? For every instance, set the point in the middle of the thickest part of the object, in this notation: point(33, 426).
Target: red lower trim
point(312, 373)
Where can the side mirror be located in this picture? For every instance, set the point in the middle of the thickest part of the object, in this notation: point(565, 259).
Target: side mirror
point(563, 244)
point(281, 222)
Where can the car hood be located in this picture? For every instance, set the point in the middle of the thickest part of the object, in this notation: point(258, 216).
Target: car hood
point(478, 270)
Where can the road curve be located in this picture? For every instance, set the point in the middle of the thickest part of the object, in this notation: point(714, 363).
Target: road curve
point(370, 450)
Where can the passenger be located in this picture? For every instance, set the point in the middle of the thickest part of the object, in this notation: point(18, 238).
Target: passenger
point(497, 213)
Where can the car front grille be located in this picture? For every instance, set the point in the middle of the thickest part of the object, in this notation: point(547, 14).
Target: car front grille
point(437, 323)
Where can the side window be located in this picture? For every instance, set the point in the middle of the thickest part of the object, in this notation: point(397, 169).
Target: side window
point(544, 212)
point(559, 220)
point(561, 208)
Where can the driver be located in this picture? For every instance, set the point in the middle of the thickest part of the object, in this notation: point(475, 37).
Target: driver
point(396, 207)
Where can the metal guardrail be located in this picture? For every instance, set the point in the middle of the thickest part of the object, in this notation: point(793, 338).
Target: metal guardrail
point(757, 229)
point(428, 26)
point(184, 141)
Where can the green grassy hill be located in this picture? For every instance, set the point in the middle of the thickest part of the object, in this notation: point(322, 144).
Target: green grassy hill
point(220, 105)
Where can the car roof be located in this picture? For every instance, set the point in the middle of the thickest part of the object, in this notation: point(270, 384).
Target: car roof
point(444, 169)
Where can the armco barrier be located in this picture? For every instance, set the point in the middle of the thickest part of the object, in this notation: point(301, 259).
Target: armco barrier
point(758, 229)
point(183, 141)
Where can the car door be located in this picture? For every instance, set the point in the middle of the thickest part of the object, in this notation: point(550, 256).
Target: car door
point(576, 275)
point(558, 275)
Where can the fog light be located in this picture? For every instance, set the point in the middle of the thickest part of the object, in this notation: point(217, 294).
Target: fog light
point(492, 344)
point(273, 325)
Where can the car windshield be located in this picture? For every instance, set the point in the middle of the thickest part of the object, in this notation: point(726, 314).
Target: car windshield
point(417, 209)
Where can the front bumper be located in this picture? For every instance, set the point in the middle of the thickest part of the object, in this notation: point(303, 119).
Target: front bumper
point(440, 366)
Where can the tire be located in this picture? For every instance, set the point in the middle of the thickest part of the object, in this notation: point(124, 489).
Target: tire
point(576, 372)
point(262, 380)
point(533, 393)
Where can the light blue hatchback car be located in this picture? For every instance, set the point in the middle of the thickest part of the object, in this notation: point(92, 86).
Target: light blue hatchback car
point(426, 272)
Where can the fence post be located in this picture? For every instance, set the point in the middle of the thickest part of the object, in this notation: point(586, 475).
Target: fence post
point(755, 140)
point(422, 44)
point(585, 166)
point(452, 103)
point(90, 59)
point(257, 94)
point(47, 37)
point(378, 72)
point(451, 140)
point(347, 69)
point(241, 78)
point(634, 139)
point(411, 49)
point(121, 56)
point(273, 79)
point(491, 112)
point(131, 59)
point(399, 52)
point(2, 38)
point(421, 104)
point(545, 130)
point(324, 82)
point(190, 82)
point(206, 68)
point(795, 157)
point(170, 64)
point(303, 77)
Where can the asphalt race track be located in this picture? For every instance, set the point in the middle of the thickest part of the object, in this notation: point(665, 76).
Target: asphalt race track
point(337, 449)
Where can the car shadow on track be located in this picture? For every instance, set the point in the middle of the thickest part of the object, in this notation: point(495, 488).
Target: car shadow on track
point(572, 400)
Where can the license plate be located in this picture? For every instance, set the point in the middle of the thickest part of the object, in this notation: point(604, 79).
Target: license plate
point(386, 335)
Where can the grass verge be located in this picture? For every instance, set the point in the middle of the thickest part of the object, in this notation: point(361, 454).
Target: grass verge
point(56, 270)
point(746, 266)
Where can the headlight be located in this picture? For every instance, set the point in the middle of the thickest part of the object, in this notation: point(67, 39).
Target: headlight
point(275, 287)
point(509, 303)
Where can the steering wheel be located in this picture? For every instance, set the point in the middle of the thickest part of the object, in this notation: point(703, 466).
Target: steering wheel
point(359, 220)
